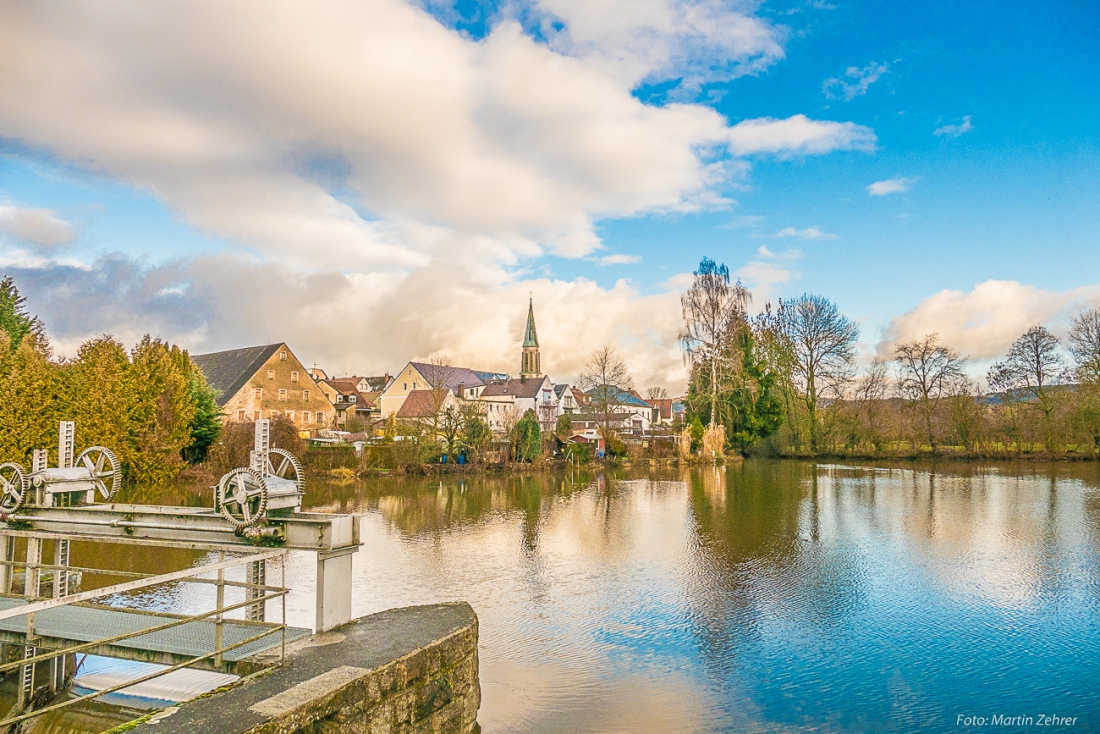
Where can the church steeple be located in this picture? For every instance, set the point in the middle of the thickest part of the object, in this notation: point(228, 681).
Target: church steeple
point(530, 362)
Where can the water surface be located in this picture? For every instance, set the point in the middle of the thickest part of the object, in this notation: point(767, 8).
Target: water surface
point(763, 597)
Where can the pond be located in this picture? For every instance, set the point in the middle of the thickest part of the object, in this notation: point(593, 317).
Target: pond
point(770, 596)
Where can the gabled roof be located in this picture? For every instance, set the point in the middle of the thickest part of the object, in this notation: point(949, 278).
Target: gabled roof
point(528, 388)
point(559, 390)
point(619, 396)
point(448, 376)
point(418, 404)
point(229, 371)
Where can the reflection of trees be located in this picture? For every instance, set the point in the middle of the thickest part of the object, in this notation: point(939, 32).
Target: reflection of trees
point(419, 506)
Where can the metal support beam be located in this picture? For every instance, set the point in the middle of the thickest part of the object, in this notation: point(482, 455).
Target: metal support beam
point(255, 576)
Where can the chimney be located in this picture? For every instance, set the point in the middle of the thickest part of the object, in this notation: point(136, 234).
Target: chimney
point(461, 391)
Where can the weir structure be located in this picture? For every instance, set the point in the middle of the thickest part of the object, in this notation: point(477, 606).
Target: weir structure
point(257, 513)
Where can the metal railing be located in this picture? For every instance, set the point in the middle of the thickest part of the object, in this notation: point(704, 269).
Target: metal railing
point(255, 594)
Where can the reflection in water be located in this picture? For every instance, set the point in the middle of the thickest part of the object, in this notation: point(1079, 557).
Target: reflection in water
point(766, 596)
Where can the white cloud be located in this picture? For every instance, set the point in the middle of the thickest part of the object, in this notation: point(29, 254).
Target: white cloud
point(692, 41)
point(767, 271)
point(810, 233)
point(855, 81)
point(246, 118)
point(359, 323)
point(41, 227)
point(798, 135)
point(619, 259)
point(984, 322)
point(891, 186)
point(954, 131)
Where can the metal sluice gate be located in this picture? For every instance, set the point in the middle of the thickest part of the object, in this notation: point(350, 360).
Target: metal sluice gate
point(259, 504)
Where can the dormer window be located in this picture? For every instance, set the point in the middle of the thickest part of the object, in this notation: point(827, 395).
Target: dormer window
point(351, 398)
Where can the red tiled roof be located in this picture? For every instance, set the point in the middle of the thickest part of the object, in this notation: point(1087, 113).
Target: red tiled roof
point(418, 404)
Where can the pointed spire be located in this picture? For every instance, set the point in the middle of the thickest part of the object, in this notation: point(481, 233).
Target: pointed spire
point(530, 338)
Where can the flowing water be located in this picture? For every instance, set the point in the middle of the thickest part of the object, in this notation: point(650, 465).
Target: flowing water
point(767, 596)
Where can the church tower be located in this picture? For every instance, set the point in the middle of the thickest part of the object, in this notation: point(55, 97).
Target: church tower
point(530, 363)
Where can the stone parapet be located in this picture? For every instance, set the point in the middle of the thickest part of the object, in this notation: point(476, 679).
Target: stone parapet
point(403, 671)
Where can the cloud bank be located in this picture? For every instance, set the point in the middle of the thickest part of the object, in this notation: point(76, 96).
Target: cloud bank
point(383, 180)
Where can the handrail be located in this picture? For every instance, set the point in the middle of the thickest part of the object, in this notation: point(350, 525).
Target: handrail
point(144, 631)
point(189, 575)
point(60, 601)
point(142, 679)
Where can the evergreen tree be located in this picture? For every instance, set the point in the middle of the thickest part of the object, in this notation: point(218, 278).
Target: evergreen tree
point(100, 397)
point(162, 410)
point(206, 425)
point(527, 438)
point(29, 402)
point(14, 318)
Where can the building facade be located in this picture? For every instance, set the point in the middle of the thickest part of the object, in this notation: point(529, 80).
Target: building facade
point(266, 382)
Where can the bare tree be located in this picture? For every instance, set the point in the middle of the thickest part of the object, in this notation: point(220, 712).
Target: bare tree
point(714, 311)
point(1084, 345)
point(822, 344)
point(440, 376)
point(607, 382)
point(1034, 364)
point(656, 393)
point(927, 371)
point(870, 392)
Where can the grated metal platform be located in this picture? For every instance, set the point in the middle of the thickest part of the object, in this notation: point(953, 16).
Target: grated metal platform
point(75, 624)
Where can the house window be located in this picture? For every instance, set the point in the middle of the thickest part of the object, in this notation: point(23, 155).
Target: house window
point(271, 374)
point(351, 398)
point(290, 415)
point(282, 394)
point(305, 417)
point(257, 393)
point(294, 376)
point(240, 414)
point(305, 395)
point(257, 415)
point(282, 356)
point(319, 418)
point(274, 414)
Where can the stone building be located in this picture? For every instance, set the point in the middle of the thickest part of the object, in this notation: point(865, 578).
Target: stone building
point(266, 382)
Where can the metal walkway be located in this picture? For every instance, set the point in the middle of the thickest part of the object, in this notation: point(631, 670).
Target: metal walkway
point(66, 626)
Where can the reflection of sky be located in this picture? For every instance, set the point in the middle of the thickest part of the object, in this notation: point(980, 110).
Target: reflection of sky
point(890, 601)
point(767, 597)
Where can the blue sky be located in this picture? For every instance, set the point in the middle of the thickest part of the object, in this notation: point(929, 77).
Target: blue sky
point(383, 181)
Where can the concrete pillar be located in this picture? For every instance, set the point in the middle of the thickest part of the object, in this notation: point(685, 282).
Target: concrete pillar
point(334, 588)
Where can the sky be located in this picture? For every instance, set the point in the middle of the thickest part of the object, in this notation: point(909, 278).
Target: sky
point(374, 181)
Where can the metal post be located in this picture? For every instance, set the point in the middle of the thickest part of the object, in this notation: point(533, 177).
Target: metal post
point(219, 632)
point(7, 553)
point(39, 459)
point(31, 578)
point(261, 446)
point(60, 588)
point(66, 444)
point(256, 575)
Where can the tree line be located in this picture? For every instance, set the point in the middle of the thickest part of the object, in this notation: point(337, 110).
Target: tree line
point(150, 404)
point(787, 382)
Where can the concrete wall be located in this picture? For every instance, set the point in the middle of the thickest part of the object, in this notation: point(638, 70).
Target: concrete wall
point(403, 671)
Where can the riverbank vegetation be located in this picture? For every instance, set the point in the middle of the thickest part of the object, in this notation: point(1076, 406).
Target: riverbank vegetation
point(787, 383)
